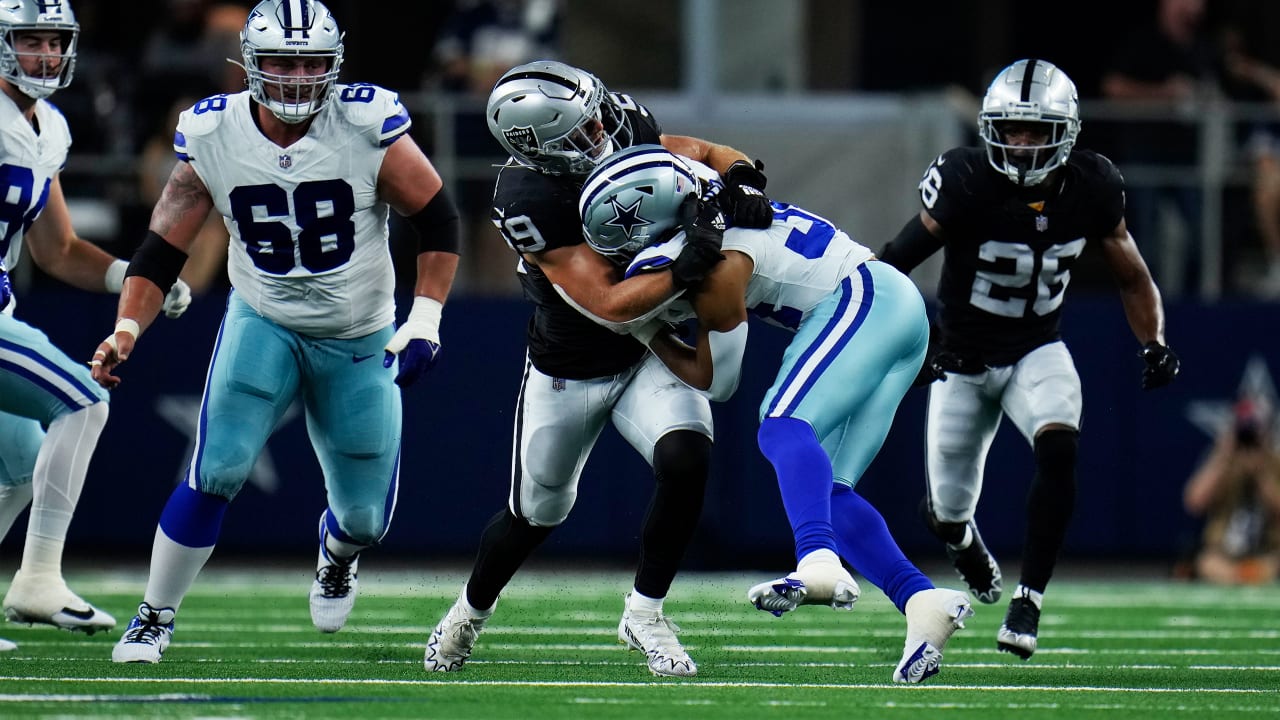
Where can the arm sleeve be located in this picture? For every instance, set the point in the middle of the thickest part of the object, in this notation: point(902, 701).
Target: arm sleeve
point(913, 245)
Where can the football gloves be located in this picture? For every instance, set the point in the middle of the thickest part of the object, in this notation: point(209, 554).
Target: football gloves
point(177, 300)
point(703, 224)
point(1162, 365)
point(416, 342)
point(749, 206)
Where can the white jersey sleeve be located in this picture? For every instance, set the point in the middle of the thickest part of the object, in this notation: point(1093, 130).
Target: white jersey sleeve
point(28, 164)
point(308, 246)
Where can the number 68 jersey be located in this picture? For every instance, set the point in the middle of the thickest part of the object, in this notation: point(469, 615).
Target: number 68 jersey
point(308, 246)
point(1009, 251)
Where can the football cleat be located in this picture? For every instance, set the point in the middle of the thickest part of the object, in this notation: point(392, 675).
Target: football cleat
point(978, 568)
point(655, 635)
point(451, 642)
point(1018, 633)
point(932, 617)
point(7, 645)
point(333, 592)
point(44, 598)
point(819, 579)
point(147, 636)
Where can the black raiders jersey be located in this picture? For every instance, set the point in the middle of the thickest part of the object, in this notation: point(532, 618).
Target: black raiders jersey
point(1009, 251)
point(536, 212)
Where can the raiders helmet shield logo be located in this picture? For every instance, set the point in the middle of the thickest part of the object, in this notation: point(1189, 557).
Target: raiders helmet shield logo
point(522, 138)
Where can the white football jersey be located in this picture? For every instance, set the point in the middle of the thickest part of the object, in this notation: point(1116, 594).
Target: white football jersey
point(28, 163)
point(798, 261)
point(308, 231)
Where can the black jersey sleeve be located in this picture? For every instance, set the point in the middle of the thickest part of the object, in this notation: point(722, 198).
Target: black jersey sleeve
point(1106, 191)
point(534, 211)
point(949, 185)
point(644, 126)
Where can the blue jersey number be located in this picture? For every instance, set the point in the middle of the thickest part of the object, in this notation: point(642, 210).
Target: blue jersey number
point(322, 210)
point(217, 103)
point(17, 184)
point(357, 92)
point(810, 235)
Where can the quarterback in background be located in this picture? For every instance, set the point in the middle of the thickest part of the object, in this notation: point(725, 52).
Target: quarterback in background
point(304, 172)
point(51, 413)
point(1012, 218)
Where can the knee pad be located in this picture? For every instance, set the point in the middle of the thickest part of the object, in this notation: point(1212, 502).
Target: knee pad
point(682, 458)
point(1055, 452)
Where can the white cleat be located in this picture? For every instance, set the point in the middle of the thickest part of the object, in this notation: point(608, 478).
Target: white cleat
point(7, 645)
point(655, 636)
point(146, 638)
point(333, 592)
point(451, 642)
point(932, 617)
point(44, 598)
point(819, 579)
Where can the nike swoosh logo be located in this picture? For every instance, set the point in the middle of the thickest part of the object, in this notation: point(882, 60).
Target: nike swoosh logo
point(78, 614)
point(360, 358)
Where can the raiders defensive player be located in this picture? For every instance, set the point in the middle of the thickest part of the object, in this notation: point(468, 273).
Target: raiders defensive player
point(558, 122)
point(1012, 220)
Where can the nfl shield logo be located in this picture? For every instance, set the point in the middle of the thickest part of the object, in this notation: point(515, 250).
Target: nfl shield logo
point(1042, 223)
point(557, 384)
point(285, 162)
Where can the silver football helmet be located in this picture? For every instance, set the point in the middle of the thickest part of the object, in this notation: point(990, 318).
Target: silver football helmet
point(555, 118)
point(1030, 91)
point(24, 16)
point(632, 200)
point(292, 29)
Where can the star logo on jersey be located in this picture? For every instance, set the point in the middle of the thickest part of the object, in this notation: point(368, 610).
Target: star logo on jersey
point(627, 218)
point(1215, 417)
point(286, 162)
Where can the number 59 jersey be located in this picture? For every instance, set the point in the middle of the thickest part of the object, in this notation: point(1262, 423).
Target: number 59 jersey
point(1009, 251)
point(308, 246)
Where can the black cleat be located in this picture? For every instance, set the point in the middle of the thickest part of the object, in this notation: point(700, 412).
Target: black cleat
point(1018, 633)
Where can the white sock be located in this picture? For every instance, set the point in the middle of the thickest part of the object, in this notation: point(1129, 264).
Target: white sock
point(965, 541)
point(56, 485)
point(472, 610)
point(641, 603)
point(13, 500)
point(821, 556)
point(343, 552)
point(174, 568)
point(1022, 591)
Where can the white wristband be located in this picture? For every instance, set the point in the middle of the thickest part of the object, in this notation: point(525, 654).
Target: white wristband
point(114, 279)
point(123, 325)
point(425, 317)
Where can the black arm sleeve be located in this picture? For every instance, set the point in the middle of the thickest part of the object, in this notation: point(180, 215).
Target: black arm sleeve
point(913, 245)
point(437, 224)
point(157, 261)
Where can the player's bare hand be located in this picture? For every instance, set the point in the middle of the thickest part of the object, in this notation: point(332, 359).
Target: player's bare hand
point(112, 351)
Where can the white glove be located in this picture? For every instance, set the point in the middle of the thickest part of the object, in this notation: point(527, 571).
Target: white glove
point(177, 300)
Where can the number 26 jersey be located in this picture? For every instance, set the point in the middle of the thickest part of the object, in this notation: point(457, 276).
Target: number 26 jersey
point(1009, 251)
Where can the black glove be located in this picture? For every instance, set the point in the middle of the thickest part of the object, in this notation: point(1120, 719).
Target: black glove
point(1162, 365)
point(703, 224)
point(749, 207)
point(929, 373)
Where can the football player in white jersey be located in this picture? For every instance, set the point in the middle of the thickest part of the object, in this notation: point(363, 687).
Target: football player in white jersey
point(860, 336)
point(39, 385)
point(304, 172)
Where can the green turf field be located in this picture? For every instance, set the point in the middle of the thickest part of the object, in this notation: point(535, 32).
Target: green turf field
point(244, 647)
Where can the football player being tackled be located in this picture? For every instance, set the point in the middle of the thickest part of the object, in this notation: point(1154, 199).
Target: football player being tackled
point(1013, 217)
point(860, 335)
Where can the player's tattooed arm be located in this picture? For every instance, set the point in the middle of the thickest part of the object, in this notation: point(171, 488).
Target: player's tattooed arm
point(183, 206)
